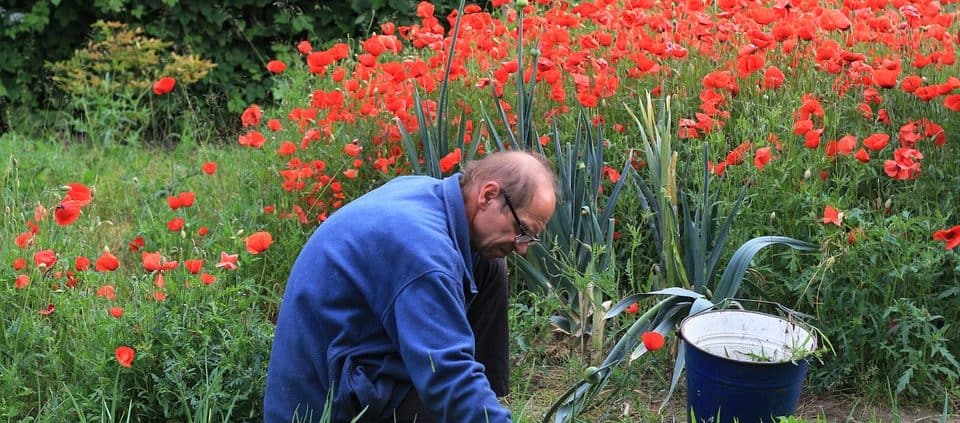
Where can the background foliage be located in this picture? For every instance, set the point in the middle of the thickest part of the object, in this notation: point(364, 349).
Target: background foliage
point(239, 36)
point(881, 288)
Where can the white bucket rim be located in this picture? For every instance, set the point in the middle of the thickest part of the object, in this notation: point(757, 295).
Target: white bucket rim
point(810, 339)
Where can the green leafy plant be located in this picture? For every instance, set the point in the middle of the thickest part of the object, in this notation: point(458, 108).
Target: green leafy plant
point(575, 261)
point(690, 237)
point(108, 85)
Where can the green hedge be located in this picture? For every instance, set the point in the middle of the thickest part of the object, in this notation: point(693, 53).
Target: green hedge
point(239, 36)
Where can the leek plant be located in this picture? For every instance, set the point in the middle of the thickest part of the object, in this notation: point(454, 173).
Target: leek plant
point(690, 238)
point(435, 141)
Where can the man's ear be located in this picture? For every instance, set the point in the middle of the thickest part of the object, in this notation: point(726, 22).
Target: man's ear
point(488, 192)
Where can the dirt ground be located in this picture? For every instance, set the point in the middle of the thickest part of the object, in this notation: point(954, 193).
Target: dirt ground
point(641, 405)
point(844, 409)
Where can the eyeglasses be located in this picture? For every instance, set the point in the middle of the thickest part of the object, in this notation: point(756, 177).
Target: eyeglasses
point(523, 237)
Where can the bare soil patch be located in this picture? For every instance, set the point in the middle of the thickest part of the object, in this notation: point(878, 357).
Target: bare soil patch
point(640, 402)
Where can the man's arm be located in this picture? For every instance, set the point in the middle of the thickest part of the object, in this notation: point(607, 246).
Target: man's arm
point(437, 347)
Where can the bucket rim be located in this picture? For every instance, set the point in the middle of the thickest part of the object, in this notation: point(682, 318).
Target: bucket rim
point(689, 344)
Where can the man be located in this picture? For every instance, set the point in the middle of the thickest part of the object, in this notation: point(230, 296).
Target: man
point(396, 306)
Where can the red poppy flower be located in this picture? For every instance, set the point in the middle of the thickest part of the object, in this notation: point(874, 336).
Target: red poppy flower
point(107, 262)
point(911, 83)
point(151, 261)
point(66, 213)
point(862, 156)
point(193, 266)
point(886, 78)
point(160, 296)
point(632, 308)
point(116, 312)
point(209, 168)
point(304, 47)
point(207, 278)
point(952, 102)
point(276, 66)
point(905, 164)
point(812, 138)
point(137, 244)
point(21, 281)
point(79, 193)
point(227, 261)
point(761, 157)
point(876, 142)
point(159, 281)
point(749, 63)
point(45, 259)
point(164, 85)
point(286, 148)
point(174, 202)
point(652, 340)
point(258, 242)
point(612, 174)
point(187, 198)
point(48, 310)
point(832, 215)
point(175, 224)
point(19, 264)
point(352, 149)
point(253, 139)
point(203, 230)
point(81, 263)
point(317, 61)
point(107, 291)
point(773, 77)
point(168, 265)
point(450, 160)
point(125, 355)
point(846, 145)
point(24, 240)
point(951, 236)
point(802, 126)
point(274, 125)
point(251, 116)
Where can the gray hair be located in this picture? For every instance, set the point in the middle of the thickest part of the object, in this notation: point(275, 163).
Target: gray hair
point(519, 173)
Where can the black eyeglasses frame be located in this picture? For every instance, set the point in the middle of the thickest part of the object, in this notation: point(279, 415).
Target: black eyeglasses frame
point(524, 236)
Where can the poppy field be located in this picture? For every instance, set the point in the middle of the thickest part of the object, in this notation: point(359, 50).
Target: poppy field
point(140, 282)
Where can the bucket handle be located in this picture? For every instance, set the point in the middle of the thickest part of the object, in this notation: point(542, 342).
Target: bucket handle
point(790, 313)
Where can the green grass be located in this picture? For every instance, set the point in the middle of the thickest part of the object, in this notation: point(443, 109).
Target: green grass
point(200, 354)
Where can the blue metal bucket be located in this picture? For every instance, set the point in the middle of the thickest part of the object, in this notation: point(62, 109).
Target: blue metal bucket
point(743, 365)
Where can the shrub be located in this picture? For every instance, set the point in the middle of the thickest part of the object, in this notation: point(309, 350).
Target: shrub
point(107, 86)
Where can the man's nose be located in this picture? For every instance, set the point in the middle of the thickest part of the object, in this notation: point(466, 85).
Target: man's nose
point(521, 248)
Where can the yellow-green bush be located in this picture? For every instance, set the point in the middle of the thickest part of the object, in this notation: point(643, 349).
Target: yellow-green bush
point(107, 85)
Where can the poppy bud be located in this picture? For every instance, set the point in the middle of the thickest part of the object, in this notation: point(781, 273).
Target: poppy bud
point(592, 375)
point(523, 3)
point(806, 174)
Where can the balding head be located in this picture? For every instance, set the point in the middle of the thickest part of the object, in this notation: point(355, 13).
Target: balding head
point(518, 172)
point(529, 183)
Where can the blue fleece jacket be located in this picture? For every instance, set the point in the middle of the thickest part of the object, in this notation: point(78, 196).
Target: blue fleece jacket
point(376, 304)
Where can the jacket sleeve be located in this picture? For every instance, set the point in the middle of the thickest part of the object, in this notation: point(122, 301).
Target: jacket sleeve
point(437, 346)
